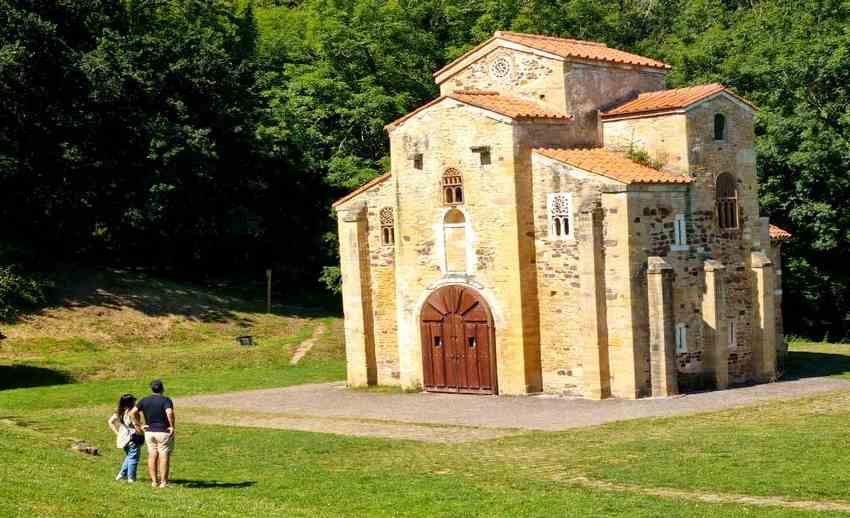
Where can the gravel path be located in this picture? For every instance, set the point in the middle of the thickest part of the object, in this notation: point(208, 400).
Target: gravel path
point(357, 411)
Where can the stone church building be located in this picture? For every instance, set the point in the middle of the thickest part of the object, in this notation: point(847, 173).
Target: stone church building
point(556, 221)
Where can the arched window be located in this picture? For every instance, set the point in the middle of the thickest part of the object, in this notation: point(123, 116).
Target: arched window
point(727, 201)
point(452, 187)
point(387, 231)
point(719, 127)
point(454, 235)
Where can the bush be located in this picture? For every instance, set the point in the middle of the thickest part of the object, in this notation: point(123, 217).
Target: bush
point(19, 291)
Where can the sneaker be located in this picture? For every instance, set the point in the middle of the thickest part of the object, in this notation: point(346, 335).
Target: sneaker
point(130, 480)
point(163, 484)
point(154, 484)
point(119, 477)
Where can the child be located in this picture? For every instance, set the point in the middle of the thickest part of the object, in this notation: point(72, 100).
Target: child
point(126, 438)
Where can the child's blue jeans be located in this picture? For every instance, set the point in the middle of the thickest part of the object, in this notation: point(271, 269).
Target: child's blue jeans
point(128, 468)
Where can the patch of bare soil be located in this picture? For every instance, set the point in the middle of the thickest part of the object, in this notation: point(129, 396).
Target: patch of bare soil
point(711, 498)
point(305, 346)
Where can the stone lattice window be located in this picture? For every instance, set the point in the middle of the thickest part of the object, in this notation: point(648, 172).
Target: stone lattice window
point(727, 201)
point(559, 208)
point(719, 127)
point(500, 68)
point(452, 187)
point(387, 230)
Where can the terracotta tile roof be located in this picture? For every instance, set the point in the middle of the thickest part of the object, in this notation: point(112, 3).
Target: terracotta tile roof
point(566, 48)
point(507, 105)
point(361, 189)
point(676, 99)
point(579, 49)
point(611, 164)
point(777, 233)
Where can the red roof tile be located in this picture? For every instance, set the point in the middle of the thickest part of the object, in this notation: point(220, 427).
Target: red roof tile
point(777, 233)
point(566, 48)
point(611, 164)
point(569, 48)
point(507, 105)
point(665, 100)
point(361, 189)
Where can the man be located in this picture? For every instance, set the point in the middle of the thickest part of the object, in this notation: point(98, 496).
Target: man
point(158, 429)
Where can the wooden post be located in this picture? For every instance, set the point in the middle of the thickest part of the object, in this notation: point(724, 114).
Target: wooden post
point(268, 290)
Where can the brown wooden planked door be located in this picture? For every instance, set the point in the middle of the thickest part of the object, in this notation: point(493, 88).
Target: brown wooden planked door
point(457, 342)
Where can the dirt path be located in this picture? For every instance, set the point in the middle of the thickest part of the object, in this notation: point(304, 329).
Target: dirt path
point(334, 400)
point(305, 346)
point(713, 498)
point(359, 428)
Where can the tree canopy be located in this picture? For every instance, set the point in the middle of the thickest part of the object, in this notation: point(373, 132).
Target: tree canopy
point(211, 136)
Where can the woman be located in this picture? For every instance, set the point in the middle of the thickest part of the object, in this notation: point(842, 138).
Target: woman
point(126, 438)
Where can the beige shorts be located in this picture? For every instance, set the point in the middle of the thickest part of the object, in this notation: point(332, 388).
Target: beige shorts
point(162, 442)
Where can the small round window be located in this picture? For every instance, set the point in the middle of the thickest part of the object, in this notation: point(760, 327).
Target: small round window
point(500, 69)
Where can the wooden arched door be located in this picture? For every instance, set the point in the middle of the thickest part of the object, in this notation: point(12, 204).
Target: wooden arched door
point(457, 342)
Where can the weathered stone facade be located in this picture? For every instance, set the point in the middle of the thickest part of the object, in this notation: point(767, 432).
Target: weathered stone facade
point(601, 277)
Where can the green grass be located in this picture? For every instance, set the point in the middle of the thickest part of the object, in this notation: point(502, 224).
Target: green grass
point(70, 363)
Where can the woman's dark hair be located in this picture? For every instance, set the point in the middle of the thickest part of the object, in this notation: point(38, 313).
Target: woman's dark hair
point(125, 403)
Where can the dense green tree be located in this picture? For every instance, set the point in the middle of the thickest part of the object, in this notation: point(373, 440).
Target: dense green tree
point(213, 135)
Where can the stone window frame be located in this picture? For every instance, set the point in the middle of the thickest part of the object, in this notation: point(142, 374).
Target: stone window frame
point(720, 127)
point(681, 333)
point(558, 219)
point(728, 208)
point(387, 220)
point(680, 233)
point(452, 187)
point(733, 335)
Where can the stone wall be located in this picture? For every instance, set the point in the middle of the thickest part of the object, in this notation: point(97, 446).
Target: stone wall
point(445, 135)
point(591, 88)
point(382, 277)
point(664, 138)
point(530, 76)
point(558, 273)
point(708, 159)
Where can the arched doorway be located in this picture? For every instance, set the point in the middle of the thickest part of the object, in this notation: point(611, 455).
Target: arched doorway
point(457, 342)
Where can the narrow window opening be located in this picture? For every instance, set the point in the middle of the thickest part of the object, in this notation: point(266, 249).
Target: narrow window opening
point(417, 161)
point(681, 338)
point(387, 230)
point(727, 201)
point(437, 341)
point(719, 127)
point(559, 204)
point(680, 236)
point(733, 335)
point(452, 187)
point(484, 157)
point(472, 343)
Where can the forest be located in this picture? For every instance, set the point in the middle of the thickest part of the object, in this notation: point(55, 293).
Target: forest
point(209, 137)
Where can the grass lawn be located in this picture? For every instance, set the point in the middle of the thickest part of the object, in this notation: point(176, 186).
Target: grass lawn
point(796, 450)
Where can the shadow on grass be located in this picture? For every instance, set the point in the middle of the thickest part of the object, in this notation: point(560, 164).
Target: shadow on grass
point(25, 376)
point(211, 484)
point(200, 301)
point(804, 364)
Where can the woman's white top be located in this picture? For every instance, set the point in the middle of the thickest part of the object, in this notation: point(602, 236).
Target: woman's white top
point(125, 431)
